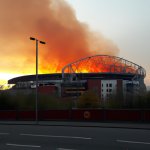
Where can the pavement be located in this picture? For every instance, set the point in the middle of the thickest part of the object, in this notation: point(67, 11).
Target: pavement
point(128, 125)
point(46, 137)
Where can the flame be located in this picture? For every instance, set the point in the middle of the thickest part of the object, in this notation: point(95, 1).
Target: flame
point(101, 64)
point(53, 21)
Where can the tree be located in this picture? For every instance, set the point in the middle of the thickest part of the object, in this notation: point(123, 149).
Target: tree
point(88, 99)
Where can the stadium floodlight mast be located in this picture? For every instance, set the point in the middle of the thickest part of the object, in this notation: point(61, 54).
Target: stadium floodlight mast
point(36, 100)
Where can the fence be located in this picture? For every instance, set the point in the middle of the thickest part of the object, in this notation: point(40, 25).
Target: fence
point(80, 115)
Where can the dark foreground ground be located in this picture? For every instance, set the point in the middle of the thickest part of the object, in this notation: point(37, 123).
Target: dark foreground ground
point(67, 137)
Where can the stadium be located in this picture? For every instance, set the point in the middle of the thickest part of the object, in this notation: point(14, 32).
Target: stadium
point(103, 74)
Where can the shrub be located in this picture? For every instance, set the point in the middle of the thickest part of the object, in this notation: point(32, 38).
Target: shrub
point(88, 99)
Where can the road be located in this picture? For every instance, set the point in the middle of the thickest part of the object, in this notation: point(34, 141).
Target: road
point(35, 137)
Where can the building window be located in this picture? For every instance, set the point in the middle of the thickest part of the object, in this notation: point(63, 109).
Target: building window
point(110, 90)
point(102, 84)
point(107, 90)
point(107, 85)
point(102, 90)
point(110, 84)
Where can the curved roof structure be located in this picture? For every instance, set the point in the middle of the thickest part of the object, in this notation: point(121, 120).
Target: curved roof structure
point(41, 77)
point(98, 66)
point(103, 64)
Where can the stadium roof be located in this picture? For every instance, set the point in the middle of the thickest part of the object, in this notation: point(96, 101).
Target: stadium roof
point(103, 64)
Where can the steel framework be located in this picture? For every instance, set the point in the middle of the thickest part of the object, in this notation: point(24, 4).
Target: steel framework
point(102, 64)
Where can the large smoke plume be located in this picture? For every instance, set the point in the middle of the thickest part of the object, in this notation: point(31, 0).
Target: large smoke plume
point(53, 21)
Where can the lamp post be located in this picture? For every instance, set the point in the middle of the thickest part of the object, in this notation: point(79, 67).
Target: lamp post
point(36, 99)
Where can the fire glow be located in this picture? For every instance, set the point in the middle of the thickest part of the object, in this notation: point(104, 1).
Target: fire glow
point(53, 21)
point(103, 64)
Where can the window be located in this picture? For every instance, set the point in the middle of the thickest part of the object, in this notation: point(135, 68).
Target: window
point(107, 84)
point(110, 90)
point(102, 84)
point(107, 90)
point(110, 84)
point(102, 90)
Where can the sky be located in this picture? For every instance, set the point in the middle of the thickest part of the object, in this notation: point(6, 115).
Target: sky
point(125, 22)
point(120, 27)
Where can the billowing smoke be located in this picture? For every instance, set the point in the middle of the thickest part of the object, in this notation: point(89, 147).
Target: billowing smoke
point(52, 21)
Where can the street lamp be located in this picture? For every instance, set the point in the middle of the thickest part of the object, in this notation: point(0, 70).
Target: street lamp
point(36, 100)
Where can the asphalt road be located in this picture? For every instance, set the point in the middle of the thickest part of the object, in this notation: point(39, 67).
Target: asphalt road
point(35, 137)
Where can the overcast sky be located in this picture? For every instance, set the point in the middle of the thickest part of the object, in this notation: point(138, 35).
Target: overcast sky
point(125, 22)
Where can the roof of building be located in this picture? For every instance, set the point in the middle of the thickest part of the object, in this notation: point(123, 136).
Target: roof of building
point(82, 76)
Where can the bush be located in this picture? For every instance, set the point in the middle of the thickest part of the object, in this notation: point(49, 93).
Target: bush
point(5, 101)
point(22, 100)
point(114, 101)
point(88, 99)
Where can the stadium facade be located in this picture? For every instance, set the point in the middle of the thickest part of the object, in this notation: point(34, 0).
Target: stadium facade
point(105, 75)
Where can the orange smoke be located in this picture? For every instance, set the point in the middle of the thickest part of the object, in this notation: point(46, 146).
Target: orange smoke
point(52, 21)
